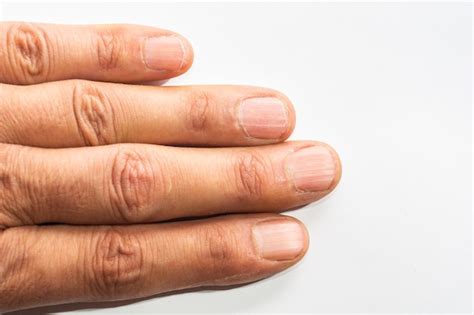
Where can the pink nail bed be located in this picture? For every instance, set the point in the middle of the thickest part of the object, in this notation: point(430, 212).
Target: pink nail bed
point(164, 53)
point(311, 169)
point(279, 239)
point(264, 117)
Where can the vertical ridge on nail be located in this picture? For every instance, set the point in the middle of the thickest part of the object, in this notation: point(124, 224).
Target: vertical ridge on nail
point(279, 239)
point(312, 168)
point(264, 117)
point(164, 53)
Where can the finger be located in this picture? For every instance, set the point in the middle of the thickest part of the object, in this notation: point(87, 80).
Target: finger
point(78, 113)
point(33, 53)
point(61, 264)
point(146, 183)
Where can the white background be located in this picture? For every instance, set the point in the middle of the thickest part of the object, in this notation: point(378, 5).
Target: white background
point(389, 86)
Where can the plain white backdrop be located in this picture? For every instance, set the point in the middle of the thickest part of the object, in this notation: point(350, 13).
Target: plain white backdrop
point(389, 86)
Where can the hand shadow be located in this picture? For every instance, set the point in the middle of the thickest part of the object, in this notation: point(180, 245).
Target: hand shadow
point(53, 309)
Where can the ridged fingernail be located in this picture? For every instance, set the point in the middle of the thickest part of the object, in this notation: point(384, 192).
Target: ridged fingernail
point(264, 117)
point(279, 239)
point(311, 169)
point(164, 53)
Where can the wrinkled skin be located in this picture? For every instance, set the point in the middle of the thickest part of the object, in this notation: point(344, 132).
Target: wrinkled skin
point(114, 166)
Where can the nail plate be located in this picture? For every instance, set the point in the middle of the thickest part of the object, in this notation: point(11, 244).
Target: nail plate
point(164, 53)
point(311, 169)
point(279, 239)
point(264, 117)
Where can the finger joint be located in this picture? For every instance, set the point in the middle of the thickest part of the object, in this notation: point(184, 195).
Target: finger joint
point(14, 196)
point(197, 111)
point(220, 252)
point(132, 184)
point(117, 263)
point(16, 278)
point(94, 114)
point(28, 53)
point(109, 48)
point(252, 174)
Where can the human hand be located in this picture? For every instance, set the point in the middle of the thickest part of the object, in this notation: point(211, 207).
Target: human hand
point(103, 161)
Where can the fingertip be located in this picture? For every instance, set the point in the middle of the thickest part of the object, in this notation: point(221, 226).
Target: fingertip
point(337, 166)
point(281, 238)
point(169, 55)
point(291, 114)
point(314, 167)
point(188, 56)
point(305, 239)
point(269, 117)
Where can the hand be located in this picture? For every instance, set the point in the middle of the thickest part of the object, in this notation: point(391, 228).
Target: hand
point(102, 162)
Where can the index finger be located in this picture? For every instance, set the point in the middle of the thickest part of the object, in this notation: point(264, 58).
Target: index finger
point(33, 53)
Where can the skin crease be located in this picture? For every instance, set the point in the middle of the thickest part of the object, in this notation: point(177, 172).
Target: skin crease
point(152, 189)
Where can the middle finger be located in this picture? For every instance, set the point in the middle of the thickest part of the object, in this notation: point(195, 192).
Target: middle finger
point(131, 183)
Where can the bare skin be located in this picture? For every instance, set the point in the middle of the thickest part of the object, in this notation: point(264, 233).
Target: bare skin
point(117, 167)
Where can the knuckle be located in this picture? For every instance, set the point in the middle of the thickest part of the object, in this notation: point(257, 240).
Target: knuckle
point(219, 251)
point(94, 114)
point(132, 183)
point(6, 195)
point(6, 181)
point(197, 111)
point(109, 49)
point(28, 54)
point(7, 98)
point(252, 174)
point(12, 200)
point(15, 278)
point(117, 263)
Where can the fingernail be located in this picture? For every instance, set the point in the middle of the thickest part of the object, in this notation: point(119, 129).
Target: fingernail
point(164, 53)
point(311, 169)
point(264, 117)
point(279, 239)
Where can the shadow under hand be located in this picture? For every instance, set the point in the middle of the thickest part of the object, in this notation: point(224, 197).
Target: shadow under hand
point(52, 309)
